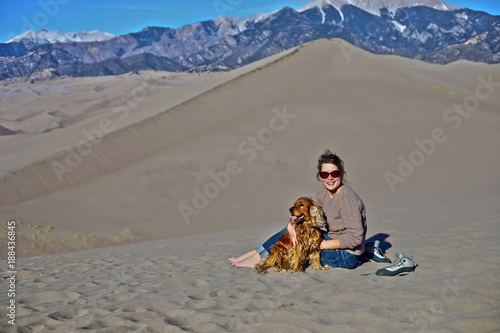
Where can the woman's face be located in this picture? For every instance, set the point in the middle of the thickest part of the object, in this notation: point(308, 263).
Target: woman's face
point(331, 183)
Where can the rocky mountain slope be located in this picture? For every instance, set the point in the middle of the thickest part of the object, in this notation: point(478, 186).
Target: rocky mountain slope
point(434, 35)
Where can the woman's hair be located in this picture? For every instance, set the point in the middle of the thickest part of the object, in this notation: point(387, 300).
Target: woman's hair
point(330, 158)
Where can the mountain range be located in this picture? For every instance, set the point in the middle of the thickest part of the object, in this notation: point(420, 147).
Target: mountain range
point(45, 36)
point(431, 31)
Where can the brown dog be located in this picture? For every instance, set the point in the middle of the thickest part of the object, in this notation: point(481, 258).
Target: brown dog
point(307, 218)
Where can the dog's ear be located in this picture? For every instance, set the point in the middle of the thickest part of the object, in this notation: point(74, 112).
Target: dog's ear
point(317, 216)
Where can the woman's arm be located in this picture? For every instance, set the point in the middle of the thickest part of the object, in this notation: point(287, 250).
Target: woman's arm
point(353, 218)
point(293, 234)
point(331, 244)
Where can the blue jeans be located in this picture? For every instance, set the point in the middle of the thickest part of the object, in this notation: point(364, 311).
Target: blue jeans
point(334, 258)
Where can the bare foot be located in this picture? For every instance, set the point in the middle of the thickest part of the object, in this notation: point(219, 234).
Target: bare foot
point(249, 262)
point(243, 257)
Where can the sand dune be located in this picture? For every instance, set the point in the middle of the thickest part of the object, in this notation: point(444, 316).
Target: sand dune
point(244, 148)
point(201, 168)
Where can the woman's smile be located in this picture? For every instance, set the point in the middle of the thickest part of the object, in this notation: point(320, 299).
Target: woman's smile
point(331, 183)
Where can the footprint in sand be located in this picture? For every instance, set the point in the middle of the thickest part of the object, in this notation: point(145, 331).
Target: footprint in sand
point(100, 312)
point(109, 322)
point(120, 296)
point(20, 312)
point(45, 279)
point(24, 274)
point(130, 283)
point(69, 314)
point(49, 297)
point(107, 283)
point(177, 284)
point(144, 276)
point(142, 316)
point(88, 285)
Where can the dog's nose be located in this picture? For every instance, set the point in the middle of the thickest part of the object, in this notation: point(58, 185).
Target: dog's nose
point(291, 209)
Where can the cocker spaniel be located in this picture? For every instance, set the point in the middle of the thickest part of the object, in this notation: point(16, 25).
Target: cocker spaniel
point(307, 218)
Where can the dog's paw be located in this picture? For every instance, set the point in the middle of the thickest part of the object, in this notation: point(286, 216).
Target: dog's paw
point(260, 269)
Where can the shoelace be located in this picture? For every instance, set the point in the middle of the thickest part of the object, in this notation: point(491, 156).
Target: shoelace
point(378, 252)
point(399, 260)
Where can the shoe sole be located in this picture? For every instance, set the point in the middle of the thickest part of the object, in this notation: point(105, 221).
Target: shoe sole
point(376, 259)
point(385, 272)
point(384, 260)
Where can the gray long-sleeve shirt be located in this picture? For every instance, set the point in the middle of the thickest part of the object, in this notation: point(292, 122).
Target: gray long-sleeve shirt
point(345, 214)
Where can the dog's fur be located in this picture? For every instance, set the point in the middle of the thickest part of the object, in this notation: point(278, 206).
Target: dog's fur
point(307, 218)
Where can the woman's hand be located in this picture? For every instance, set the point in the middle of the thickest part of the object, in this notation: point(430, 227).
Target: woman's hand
point(293, 234)
point(321, 242)
point(332, 244)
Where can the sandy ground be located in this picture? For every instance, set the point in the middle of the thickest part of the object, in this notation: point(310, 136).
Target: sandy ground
point(187, 284)
point(198, 168)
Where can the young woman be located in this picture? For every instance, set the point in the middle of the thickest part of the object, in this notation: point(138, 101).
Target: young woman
point(345, 214)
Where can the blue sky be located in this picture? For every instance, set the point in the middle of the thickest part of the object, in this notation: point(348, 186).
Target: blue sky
point(124, 16)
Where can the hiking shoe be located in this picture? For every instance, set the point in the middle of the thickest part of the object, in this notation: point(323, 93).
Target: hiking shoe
point(377, 254)
point(401, 264)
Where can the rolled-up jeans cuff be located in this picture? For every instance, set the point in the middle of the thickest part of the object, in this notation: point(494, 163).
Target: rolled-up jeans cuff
point(262, 251)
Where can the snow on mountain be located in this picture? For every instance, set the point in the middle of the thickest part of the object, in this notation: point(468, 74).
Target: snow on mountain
point(42, 37)
point(374, 6)
point(89, 36)
point(50, 37)
point(235, 25)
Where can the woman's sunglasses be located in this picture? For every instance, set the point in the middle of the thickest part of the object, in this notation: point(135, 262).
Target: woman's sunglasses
point(334, 174)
